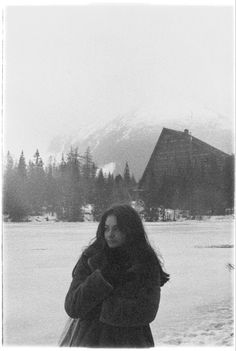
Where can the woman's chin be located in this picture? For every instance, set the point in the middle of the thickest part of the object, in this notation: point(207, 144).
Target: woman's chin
point(113, 245)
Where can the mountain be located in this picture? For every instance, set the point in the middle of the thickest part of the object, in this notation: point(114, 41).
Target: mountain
point(133, 137)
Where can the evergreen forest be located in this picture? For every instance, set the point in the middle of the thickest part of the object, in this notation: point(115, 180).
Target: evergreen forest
point(62, 189)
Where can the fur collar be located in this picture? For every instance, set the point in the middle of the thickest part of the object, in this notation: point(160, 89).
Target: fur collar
point(99, 261)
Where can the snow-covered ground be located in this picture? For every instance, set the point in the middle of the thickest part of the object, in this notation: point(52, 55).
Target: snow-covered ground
point(196, 305)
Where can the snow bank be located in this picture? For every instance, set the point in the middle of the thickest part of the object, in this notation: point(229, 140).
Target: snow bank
point(212, 325)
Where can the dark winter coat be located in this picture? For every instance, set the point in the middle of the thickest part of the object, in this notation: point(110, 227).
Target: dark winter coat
point(111, 316)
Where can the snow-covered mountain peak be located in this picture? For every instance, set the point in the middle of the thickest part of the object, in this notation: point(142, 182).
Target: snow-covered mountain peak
point(177, 112)
point(132, 136)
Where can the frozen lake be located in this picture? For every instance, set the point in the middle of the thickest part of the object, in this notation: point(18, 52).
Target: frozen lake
point(196, 305)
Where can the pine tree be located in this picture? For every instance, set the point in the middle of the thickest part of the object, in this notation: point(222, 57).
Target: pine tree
point(8, 183)
point(120, 190)
point(37, 185)
point(22, 166)
point(9, 163)
point(61, 187)
point(109, 190)
point(52, 193)
point(15, 195)
point(37, 157)
point(22, 181)
point(69, 182)
point(88, 177)
point(127, 188)
point(100, 196)
point(126, 177)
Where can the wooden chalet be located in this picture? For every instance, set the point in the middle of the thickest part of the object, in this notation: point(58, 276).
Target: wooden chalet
point(186, 173)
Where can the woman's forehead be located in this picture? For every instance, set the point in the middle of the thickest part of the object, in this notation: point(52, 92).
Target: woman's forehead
point(111, 220)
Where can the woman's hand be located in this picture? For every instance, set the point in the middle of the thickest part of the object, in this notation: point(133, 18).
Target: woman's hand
point(116, 275)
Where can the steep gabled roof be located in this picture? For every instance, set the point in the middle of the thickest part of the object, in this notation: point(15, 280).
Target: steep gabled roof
point(195, 141)
point(164, 130)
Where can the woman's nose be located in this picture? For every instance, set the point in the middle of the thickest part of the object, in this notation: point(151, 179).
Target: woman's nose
point(110, 233)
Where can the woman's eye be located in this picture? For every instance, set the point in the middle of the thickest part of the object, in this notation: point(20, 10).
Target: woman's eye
point(113, 229)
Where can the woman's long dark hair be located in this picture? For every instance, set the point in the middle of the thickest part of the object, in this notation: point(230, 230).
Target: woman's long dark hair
point(137, 243)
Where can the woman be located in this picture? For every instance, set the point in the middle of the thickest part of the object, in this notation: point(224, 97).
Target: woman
point(115, 291)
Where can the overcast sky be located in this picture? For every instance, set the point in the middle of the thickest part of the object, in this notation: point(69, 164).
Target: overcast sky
point(66, 67)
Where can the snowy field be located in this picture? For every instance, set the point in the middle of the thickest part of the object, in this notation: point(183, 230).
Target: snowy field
point(196, 305)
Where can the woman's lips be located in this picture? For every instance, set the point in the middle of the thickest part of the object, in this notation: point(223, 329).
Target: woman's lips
point(111, 241)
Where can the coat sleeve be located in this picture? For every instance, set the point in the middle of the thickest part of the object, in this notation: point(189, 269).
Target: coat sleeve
point(86, 290)
point(132, 307)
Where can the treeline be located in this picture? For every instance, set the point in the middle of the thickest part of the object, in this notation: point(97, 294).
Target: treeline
point(62, 188)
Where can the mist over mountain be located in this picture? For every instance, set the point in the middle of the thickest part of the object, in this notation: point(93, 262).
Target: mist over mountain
point(132, 137)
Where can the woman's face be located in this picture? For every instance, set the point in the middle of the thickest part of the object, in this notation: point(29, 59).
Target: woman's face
point(113, 236)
